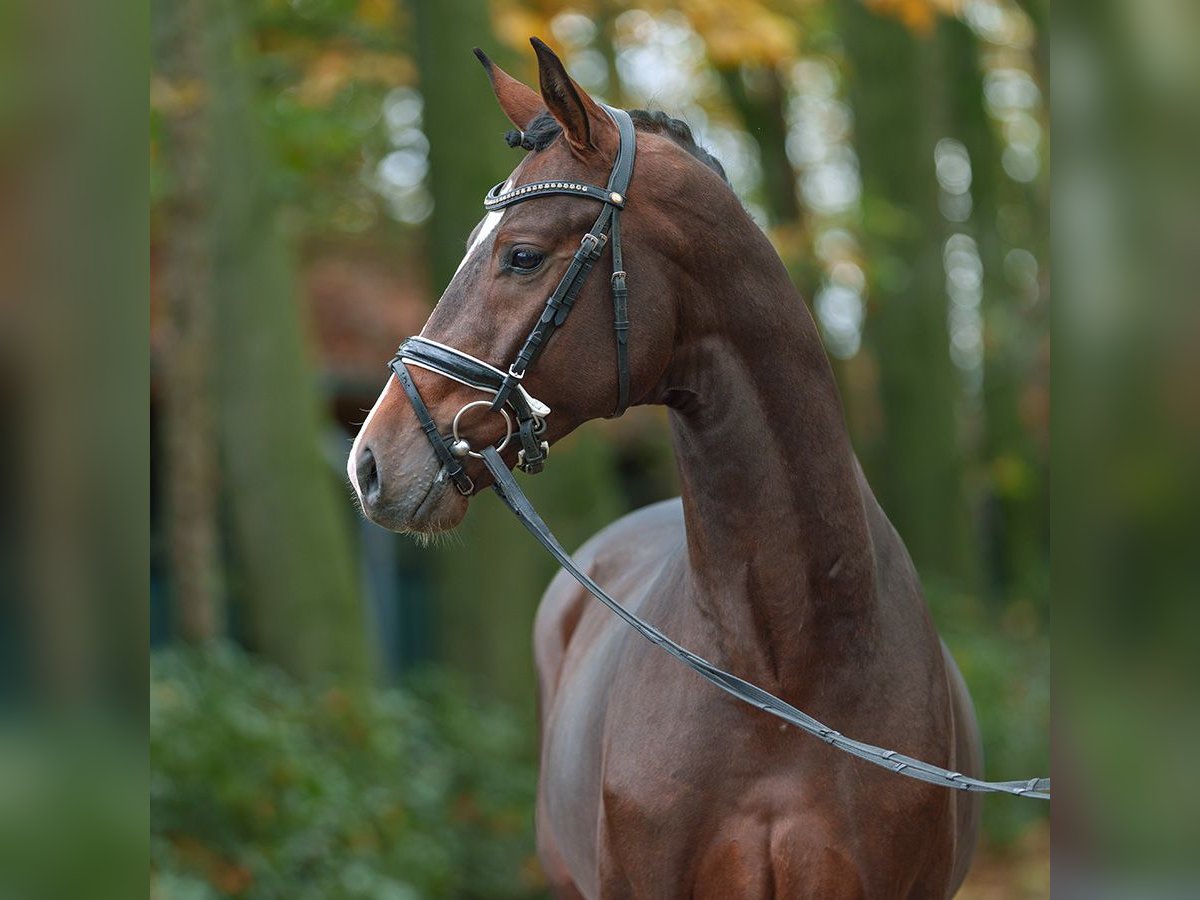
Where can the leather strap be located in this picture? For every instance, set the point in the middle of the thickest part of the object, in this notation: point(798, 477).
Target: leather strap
point(618, 183)
point(620, 295)
point(510, 493)
point(466, 369)
point(506, 386)
point(441, 447)
point(498, 198)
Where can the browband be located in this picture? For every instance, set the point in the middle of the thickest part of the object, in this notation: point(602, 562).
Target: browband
point(498, 198)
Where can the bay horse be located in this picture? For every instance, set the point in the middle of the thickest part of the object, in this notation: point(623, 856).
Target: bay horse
point(776, 563)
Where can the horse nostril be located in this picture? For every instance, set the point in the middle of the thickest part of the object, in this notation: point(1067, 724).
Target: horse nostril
point(368, 475)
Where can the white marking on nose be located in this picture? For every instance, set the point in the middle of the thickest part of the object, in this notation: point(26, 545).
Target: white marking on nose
point(352, 462)
point(490, 221)
point(486, 227)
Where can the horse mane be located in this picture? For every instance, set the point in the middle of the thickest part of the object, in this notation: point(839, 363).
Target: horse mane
point(544, 129)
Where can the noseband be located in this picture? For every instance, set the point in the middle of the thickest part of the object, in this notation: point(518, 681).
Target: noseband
point(505, 386)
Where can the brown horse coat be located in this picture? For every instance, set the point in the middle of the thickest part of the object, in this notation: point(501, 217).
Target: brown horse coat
point(776, 563)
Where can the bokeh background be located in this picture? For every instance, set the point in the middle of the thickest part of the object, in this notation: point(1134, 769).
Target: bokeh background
point(336, 711)
point(74, 503)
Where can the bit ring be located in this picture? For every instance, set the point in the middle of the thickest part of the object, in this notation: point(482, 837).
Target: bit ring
point(508, 425)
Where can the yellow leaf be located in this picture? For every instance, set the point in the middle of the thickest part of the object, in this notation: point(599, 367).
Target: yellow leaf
point(746, 32)
point(377, 13)
point(514, 25)
point(917, 15)
point(177, 98)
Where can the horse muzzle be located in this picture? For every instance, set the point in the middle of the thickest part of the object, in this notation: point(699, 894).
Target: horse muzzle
point(402, 486)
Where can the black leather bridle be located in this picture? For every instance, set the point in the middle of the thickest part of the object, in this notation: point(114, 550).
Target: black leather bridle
point(508, 393)
point(505, 386)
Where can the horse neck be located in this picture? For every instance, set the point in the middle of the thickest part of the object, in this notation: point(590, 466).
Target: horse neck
point(779, 554)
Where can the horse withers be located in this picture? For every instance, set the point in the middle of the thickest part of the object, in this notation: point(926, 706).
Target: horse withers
point(776, 563)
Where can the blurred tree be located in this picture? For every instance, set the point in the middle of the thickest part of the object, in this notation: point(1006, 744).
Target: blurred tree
point(292, 544)
point(190, 477)
point(323, 74)
point(760, 98)
point(464, 125)
point(487, 599)
point(1014, 513)
point(467, 156)
point(897, 91)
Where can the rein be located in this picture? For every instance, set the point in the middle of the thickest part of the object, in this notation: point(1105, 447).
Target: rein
point(508, 395)
point(514, 498)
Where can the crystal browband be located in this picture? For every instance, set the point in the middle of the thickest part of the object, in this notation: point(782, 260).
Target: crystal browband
point(498, 198)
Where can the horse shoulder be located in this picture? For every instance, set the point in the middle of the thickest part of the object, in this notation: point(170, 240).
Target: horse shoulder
point(620, 550)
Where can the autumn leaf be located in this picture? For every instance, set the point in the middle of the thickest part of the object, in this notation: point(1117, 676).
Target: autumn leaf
point(918, 16)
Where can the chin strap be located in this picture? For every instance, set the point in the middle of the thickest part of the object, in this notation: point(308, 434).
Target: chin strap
point(514, 498)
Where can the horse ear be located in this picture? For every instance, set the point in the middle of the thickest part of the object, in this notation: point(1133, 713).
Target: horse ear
point(520, 102)
point(586, 126)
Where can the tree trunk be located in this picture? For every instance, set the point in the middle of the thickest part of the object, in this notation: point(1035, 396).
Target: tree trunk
point(760, 98)
point(290, 512)
point(190, 463)
point(897, 94)
point(1014, 511)
point(464, 124)
point(489, 580)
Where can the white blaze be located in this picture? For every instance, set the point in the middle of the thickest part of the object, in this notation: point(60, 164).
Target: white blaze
point(486, 227)
point(490, 221)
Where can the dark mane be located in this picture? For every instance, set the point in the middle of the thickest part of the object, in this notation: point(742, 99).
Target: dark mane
point(544, 129)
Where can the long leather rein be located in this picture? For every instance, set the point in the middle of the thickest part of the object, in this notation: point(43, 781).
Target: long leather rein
point(514, 498)
point(508, 395)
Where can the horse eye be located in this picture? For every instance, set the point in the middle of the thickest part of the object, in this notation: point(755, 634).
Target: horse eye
point(525, 260)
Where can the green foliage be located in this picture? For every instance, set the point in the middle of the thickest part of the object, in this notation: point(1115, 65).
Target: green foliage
point(263, 788)
point(320, 71)
point(72, 823)
point(1009, 680)
point(267, 789)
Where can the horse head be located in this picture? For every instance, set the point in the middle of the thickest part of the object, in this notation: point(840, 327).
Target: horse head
point(516, 257)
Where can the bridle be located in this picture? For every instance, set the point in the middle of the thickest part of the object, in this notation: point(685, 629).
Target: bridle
point(509, 394)
point(505, 386)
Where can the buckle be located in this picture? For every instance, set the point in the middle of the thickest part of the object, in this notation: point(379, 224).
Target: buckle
point(593, 243)
point(526, 467)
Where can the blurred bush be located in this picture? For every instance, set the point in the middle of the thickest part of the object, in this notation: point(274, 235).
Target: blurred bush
point(1010, 685)
point(262, 788)
point(72, 823)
